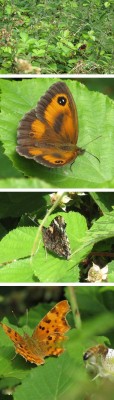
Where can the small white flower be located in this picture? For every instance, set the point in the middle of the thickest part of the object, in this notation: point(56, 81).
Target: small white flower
point(65, 199)
point(96, 274)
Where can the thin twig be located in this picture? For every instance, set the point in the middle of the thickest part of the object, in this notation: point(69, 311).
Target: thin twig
point(74, 305)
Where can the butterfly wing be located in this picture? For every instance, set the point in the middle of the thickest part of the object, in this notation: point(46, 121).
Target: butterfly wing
point(50, 332)
point(55, 238)
point(23, 346)
point(48, 134)
point(58, 110)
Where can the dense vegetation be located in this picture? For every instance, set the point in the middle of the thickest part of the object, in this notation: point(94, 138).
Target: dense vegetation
point(57, 36)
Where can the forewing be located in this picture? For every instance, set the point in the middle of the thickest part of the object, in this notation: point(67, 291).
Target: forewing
point(50, 331)
point(53, 326)
point(58, 109)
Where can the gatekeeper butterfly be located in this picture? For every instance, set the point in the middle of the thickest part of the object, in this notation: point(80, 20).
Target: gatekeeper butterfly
point(47, 337)
point(48, 134)
point(55, 238)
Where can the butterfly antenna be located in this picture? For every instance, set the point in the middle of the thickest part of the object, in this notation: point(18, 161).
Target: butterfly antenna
point(93, 140)
point(26, 323)
point(15, 317)
point(91, 153)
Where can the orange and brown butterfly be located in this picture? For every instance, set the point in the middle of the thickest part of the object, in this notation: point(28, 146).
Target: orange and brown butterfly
point(47, 338)
point(48, 134)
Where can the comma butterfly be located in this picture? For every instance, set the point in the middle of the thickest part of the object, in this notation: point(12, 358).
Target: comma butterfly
point(48, 134)
point(47, 337)
point(55, 238)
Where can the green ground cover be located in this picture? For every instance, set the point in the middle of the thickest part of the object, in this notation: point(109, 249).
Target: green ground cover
point(57, 36)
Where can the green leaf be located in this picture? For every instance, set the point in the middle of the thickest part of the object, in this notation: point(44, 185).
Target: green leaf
point(105, 200)
point(86, 170)
point(32, 183)
point(7, 168)
point(18, 271)
point(18, 242)
point(50, 382)
point(111, 272)
point(100, 230)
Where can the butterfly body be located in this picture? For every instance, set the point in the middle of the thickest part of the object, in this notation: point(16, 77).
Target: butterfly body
point(48, 134)
point(47, 337)
point(55, 238)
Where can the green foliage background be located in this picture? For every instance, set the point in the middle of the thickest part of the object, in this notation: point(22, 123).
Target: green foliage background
point(64, 377)
point(49, 36)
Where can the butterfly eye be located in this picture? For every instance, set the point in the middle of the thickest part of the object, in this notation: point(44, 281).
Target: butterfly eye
point(62, 100)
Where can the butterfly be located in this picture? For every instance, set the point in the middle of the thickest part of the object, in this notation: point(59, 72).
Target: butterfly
point(47, 337)
point(55, 238)
point(48, 134)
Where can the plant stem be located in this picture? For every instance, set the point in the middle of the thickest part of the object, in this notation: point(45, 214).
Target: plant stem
point(74, 305)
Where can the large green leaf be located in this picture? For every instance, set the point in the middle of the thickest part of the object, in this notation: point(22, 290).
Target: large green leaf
point(105, 200)
point(102, 229)
point(23, 183)
point(7, 167)
point(51, 382)
point(18, 271)
point(95, 113)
